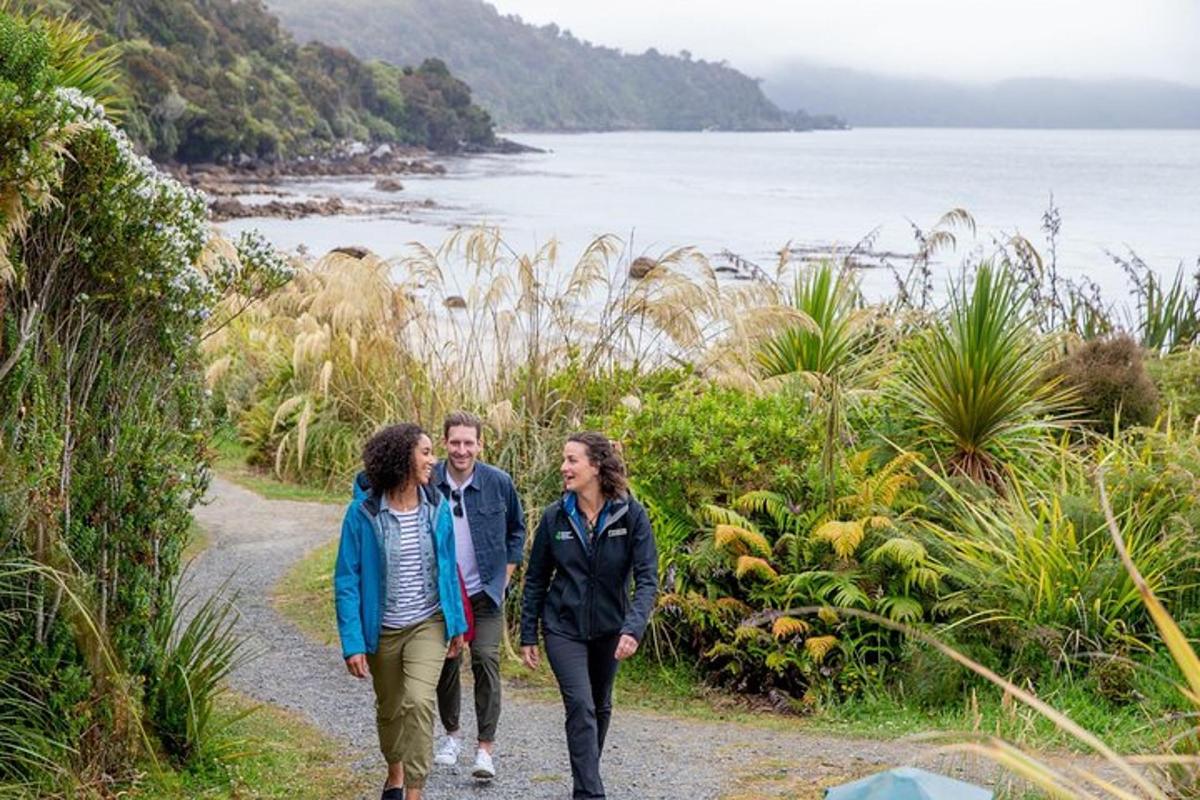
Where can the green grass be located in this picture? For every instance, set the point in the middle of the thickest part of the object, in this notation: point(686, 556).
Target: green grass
point(230, 462)
point(197, 541)
point(276, 755)
point(305, 594)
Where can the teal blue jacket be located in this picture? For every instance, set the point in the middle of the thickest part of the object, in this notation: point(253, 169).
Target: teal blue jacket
point(360, 573)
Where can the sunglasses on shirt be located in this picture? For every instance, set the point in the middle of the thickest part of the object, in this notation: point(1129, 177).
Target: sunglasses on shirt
point(456, 496)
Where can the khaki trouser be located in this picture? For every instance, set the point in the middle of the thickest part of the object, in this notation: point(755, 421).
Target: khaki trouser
point(405, 672)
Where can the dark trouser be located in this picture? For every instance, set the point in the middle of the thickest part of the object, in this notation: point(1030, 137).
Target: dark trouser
point(585, 673)
point(485, 664)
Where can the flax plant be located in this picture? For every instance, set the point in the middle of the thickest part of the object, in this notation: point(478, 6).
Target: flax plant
point(974, 380)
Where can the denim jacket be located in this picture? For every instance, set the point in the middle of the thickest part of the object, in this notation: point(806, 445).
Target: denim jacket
point(360, 573)
point(495, 517)
point(496, 520)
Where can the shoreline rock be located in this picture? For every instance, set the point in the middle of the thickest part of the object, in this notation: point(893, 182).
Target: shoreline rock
point(225, 184)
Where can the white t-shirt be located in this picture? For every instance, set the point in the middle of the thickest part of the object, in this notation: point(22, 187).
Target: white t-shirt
point(464, 545)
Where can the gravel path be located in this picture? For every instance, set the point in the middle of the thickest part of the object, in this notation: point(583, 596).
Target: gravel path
point(254, 541)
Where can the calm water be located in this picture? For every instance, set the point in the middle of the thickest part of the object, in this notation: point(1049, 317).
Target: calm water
point(752, 193)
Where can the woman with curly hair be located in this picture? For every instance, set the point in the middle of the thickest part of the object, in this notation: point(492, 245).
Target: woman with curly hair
point(397, 593)
point(587, 547)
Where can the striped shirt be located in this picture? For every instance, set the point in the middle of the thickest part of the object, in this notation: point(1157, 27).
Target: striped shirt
point(406, 601)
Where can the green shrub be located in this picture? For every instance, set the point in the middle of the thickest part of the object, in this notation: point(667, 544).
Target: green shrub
point(771, 554)
point(198, 649)
point(1109, 379)
point(106, 282)
point(1177, 376)
point(705, 444)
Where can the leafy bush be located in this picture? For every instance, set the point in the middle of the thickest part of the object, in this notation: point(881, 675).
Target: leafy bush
point(1039, 572)
point(1177, 376)
point(703, 444)
point(1109, 380)
point(770, 554)
point(108, 279)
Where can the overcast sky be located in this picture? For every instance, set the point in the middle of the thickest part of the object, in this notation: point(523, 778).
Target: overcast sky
point(974, 40)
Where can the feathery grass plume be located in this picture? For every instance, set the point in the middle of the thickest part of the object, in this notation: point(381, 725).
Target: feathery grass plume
point(370, 341)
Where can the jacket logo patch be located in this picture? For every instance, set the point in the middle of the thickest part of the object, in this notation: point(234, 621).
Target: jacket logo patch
point(618, 532)
point(563, 536)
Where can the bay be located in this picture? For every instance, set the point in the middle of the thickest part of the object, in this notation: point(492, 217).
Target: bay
point(752, 193)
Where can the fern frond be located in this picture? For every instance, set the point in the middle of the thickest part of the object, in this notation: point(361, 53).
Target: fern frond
point(774, 505)
point(924, 577)
point(740, 541)
point(733, 606)
point(903, 552)
point(747, 633)
point(857, 463)
point(827, 615)
point(776, 660)
point(848, 594)
point(901, 608)
point(819, 646)
point(719, 515)
point(785, 627)
point(844, 537)
point(756, 567)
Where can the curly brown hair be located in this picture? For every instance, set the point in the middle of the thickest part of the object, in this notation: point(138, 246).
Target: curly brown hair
point(388, 456)
point(614, 484)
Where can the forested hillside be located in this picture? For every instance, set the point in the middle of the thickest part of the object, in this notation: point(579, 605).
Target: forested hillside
point(216, 79)
point(544, 78)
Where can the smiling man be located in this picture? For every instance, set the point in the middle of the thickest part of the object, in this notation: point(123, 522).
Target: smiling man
point(489, 531)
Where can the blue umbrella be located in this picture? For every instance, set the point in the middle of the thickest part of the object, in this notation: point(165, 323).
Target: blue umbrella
point(907, 783)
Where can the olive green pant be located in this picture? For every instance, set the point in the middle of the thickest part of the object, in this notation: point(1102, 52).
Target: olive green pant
point(405, 672)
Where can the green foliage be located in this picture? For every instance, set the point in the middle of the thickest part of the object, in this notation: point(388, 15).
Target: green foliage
point(723, 442)
point(199, 649)
point(111, 278)
point(1177, 376)
point(1040, 575)
point(1109, 379)
point(769, 554)
point(829, 338)
point(973, 380)
point(220, 80)
point(543, 77)
point(1168, 316)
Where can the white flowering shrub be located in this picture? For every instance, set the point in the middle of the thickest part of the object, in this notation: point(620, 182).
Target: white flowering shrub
point(105, 295)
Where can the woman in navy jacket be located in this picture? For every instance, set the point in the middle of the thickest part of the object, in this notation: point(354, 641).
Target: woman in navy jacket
point(587, 547)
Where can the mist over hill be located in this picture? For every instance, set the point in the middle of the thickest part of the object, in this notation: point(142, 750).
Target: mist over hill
point(868, 99)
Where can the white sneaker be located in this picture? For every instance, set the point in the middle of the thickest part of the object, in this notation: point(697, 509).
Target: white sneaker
point(484, 769)
point(448, 750)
